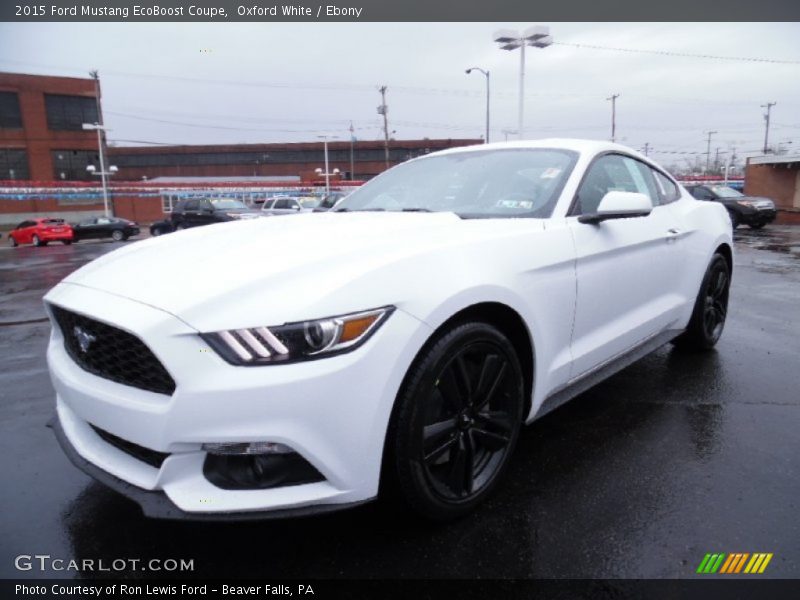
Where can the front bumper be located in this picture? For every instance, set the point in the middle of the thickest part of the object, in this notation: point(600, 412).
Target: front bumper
point(333, 412)
point(758, 216)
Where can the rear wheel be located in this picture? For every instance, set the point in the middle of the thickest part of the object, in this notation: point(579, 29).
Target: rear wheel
point(12, 242)
point(36, 241)
point(710, 309)
point(457, 421)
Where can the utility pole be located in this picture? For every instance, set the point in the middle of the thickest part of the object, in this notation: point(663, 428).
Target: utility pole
point(382, 110)
point(613, 99)
point(716, 160)
point(352, 152)
point(768, 106)
point(646, 148)
point(708, 150)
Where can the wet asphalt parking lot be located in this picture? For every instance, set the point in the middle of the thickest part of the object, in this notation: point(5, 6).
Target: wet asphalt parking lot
point(676, 456)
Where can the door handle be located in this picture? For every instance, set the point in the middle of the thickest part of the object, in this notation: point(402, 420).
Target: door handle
point(672, 234)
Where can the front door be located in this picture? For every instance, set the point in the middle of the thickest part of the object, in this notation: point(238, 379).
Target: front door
point(625, 267)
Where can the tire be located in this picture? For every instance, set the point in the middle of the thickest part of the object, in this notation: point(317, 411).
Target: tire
point(12, 242)
point(734, 219)
point(66, 242)
point(456, 422)
point(710, 308)
point(117, 235)
point(156, 232)
point(36, 241)
point(757, 225)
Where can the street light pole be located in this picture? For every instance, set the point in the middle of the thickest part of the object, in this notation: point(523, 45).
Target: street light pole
point(537, 36)
point(103, 173)
point(327, 173)
point(486, 74)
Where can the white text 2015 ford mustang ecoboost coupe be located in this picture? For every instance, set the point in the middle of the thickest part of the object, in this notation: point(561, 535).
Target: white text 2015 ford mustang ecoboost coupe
point(274, 367)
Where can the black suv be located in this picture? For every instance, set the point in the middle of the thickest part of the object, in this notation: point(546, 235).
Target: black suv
point(744, 210)
point(204, 211)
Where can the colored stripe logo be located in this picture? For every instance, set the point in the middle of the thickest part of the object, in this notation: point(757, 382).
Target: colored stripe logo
point(737, 562)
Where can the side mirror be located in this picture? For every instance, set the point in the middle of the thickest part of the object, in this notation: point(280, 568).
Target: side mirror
point(619, 205)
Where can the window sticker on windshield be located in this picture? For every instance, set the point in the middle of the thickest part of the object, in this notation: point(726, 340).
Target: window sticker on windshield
point(550, 173)
point(527, 204)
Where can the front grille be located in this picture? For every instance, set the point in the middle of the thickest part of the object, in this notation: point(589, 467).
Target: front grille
point(112, 353)
point(151, 457)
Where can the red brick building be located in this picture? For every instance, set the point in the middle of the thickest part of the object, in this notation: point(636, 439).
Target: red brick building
point(776, 177)
point(283, 159)
point(41, 134)
point(44, 152)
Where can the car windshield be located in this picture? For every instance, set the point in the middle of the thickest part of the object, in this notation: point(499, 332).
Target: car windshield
point(228, 204)
point(310, 202)
point(523, 182)
point(53, 221)
point(723, 191)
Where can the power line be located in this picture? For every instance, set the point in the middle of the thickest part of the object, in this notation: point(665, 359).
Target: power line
point(681, 54)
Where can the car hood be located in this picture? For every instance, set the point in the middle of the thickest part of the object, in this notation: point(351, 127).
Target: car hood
point(302, 267)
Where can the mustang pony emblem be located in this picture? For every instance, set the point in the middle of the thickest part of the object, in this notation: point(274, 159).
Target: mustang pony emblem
point(84, 338)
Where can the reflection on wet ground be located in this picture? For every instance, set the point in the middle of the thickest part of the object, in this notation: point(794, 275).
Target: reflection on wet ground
point(678, 455)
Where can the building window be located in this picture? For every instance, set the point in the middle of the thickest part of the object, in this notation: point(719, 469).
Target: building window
point(69, 112)
point(70, 165)
point(10, 116)
point(13, 164)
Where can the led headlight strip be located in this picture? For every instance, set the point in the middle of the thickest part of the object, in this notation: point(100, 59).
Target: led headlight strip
point(292, 342)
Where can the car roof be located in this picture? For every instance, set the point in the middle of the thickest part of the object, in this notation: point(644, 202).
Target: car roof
point(577, 145)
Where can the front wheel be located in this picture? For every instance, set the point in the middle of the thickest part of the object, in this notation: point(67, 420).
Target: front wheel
point(12, 242)
point(457, 421)
point(117, 235)
point(36, 241)
point(757, 225)
point(710, 308)
point(66, 242)
point(734, 219)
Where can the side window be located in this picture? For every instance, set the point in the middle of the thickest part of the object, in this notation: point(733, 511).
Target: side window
point(282, 204)
point(702, 193)
point(206, 205)
point(268, 204)
point(612, 173)
point(293, 204)
point(667, 188)
point(190, 205)
point(103, 221)
point(25, 224)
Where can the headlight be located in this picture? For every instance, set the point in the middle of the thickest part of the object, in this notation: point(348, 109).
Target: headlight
point(745, 203)
point(293, 342)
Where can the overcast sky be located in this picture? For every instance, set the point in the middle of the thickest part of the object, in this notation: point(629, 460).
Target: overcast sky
point(265, 82)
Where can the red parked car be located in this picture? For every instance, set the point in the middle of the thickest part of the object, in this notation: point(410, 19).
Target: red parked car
point(40, 231)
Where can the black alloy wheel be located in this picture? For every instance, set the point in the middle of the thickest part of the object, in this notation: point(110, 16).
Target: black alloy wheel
point(458, 421)
point(710, 309)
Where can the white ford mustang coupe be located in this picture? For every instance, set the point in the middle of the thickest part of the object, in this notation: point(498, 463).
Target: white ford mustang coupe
point(276, 367)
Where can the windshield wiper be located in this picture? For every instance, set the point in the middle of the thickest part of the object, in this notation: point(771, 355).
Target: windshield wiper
point(418, 209)
point(359, 210)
